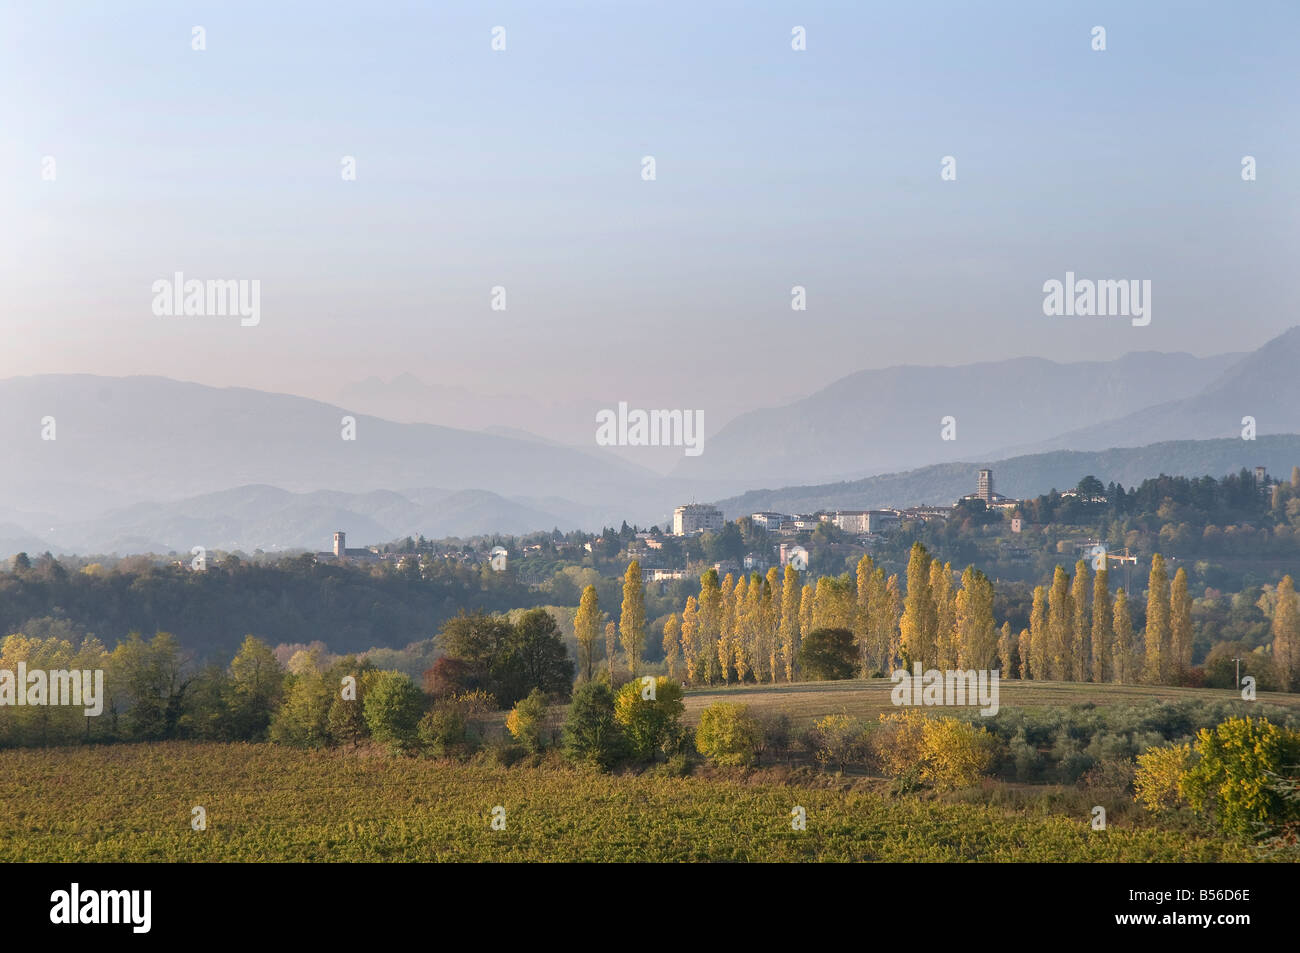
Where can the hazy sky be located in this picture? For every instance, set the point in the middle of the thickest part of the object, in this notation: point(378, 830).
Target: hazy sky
point(522, 168)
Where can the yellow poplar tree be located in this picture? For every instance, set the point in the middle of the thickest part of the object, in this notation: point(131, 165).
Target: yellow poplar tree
point(1006, 650)
point(1060, 626)
point(672, 644)
point(1123, 654)
point(919, 621)
point(611, 646)
point(891, 613)
point(586, 629)
point(691, 640)
point(1081, 641)
point(1286, 635)
point(806, 603)
point(862, 632)
point(1103, 620)
point(742, 648)
point(710, 604)
point(945, 615)
point(1156, 635)
point(977, 634)
point(631, 622)
point(1039, 652)
point(727, 634)
point(770, 617)
point(790, 620)
point(1180, 628)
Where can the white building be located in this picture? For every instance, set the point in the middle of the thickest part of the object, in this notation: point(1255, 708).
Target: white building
point(696, 518)
point(866, 521)
point(769, 521)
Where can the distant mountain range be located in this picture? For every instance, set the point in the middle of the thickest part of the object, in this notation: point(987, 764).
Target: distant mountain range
point(880, 421)
point(1028, 476)
point(120, 442)
point(1264, 384)
point(148, 463)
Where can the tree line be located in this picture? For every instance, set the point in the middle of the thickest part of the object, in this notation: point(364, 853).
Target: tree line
point(754, 627)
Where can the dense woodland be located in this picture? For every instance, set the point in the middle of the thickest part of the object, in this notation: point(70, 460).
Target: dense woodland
point(293, 600)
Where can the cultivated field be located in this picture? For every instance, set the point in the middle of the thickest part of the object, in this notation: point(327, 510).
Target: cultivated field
point(867, 699)
point(265, 803)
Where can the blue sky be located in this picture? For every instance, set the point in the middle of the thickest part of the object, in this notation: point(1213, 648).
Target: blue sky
point(522, 168)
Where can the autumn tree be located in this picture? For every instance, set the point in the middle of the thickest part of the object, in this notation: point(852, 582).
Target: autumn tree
point(1038, 643)
point(891, 613)
point(807, 597)
point(1060, 626)
point(876, 619)
point(631, 621)
point(1006, 650)
point(1180, 628)
point(862, 619)
point(835, 604)
point(1123, 654)
point(1081, 629)
point(730, 650)
point(919, 620)
point(1286, 635)
point(672, 644)
point(789, 632)
point(1103, 619)
point(710, 607)
point(586, 629)
point(1156, 636)
point(691, 640)
point(771, 622)
point(742, 652)
point(945, 615)
point(611, 646)
point(977, 634)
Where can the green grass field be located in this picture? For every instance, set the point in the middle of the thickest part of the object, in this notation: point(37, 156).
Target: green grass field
point(265, 803)
point(867, 699)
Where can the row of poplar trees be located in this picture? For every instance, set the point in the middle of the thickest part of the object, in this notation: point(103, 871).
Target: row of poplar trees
point(750, 628)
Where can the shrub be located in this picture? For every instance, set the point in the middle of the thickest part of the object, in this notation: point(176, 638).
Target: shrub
point(1234, 778)
point(896, 743)
point(777, 733)
point(1113, 775)
point(1159, 777)
point(445, 728)
point(650, 724)
point(828, 654)
point(955, 753)
point(527, 721)
point(591, 734)
point(728, 734)
point(839, 740)
point(943, 752)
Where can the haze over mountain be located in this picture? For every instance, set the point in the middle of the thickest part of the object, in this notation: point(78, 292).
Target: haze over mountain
point(124, 441)
point(1264, 384)
point(148, 463)
point(271, 519)
point(884, 420)
point(1028, 476)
